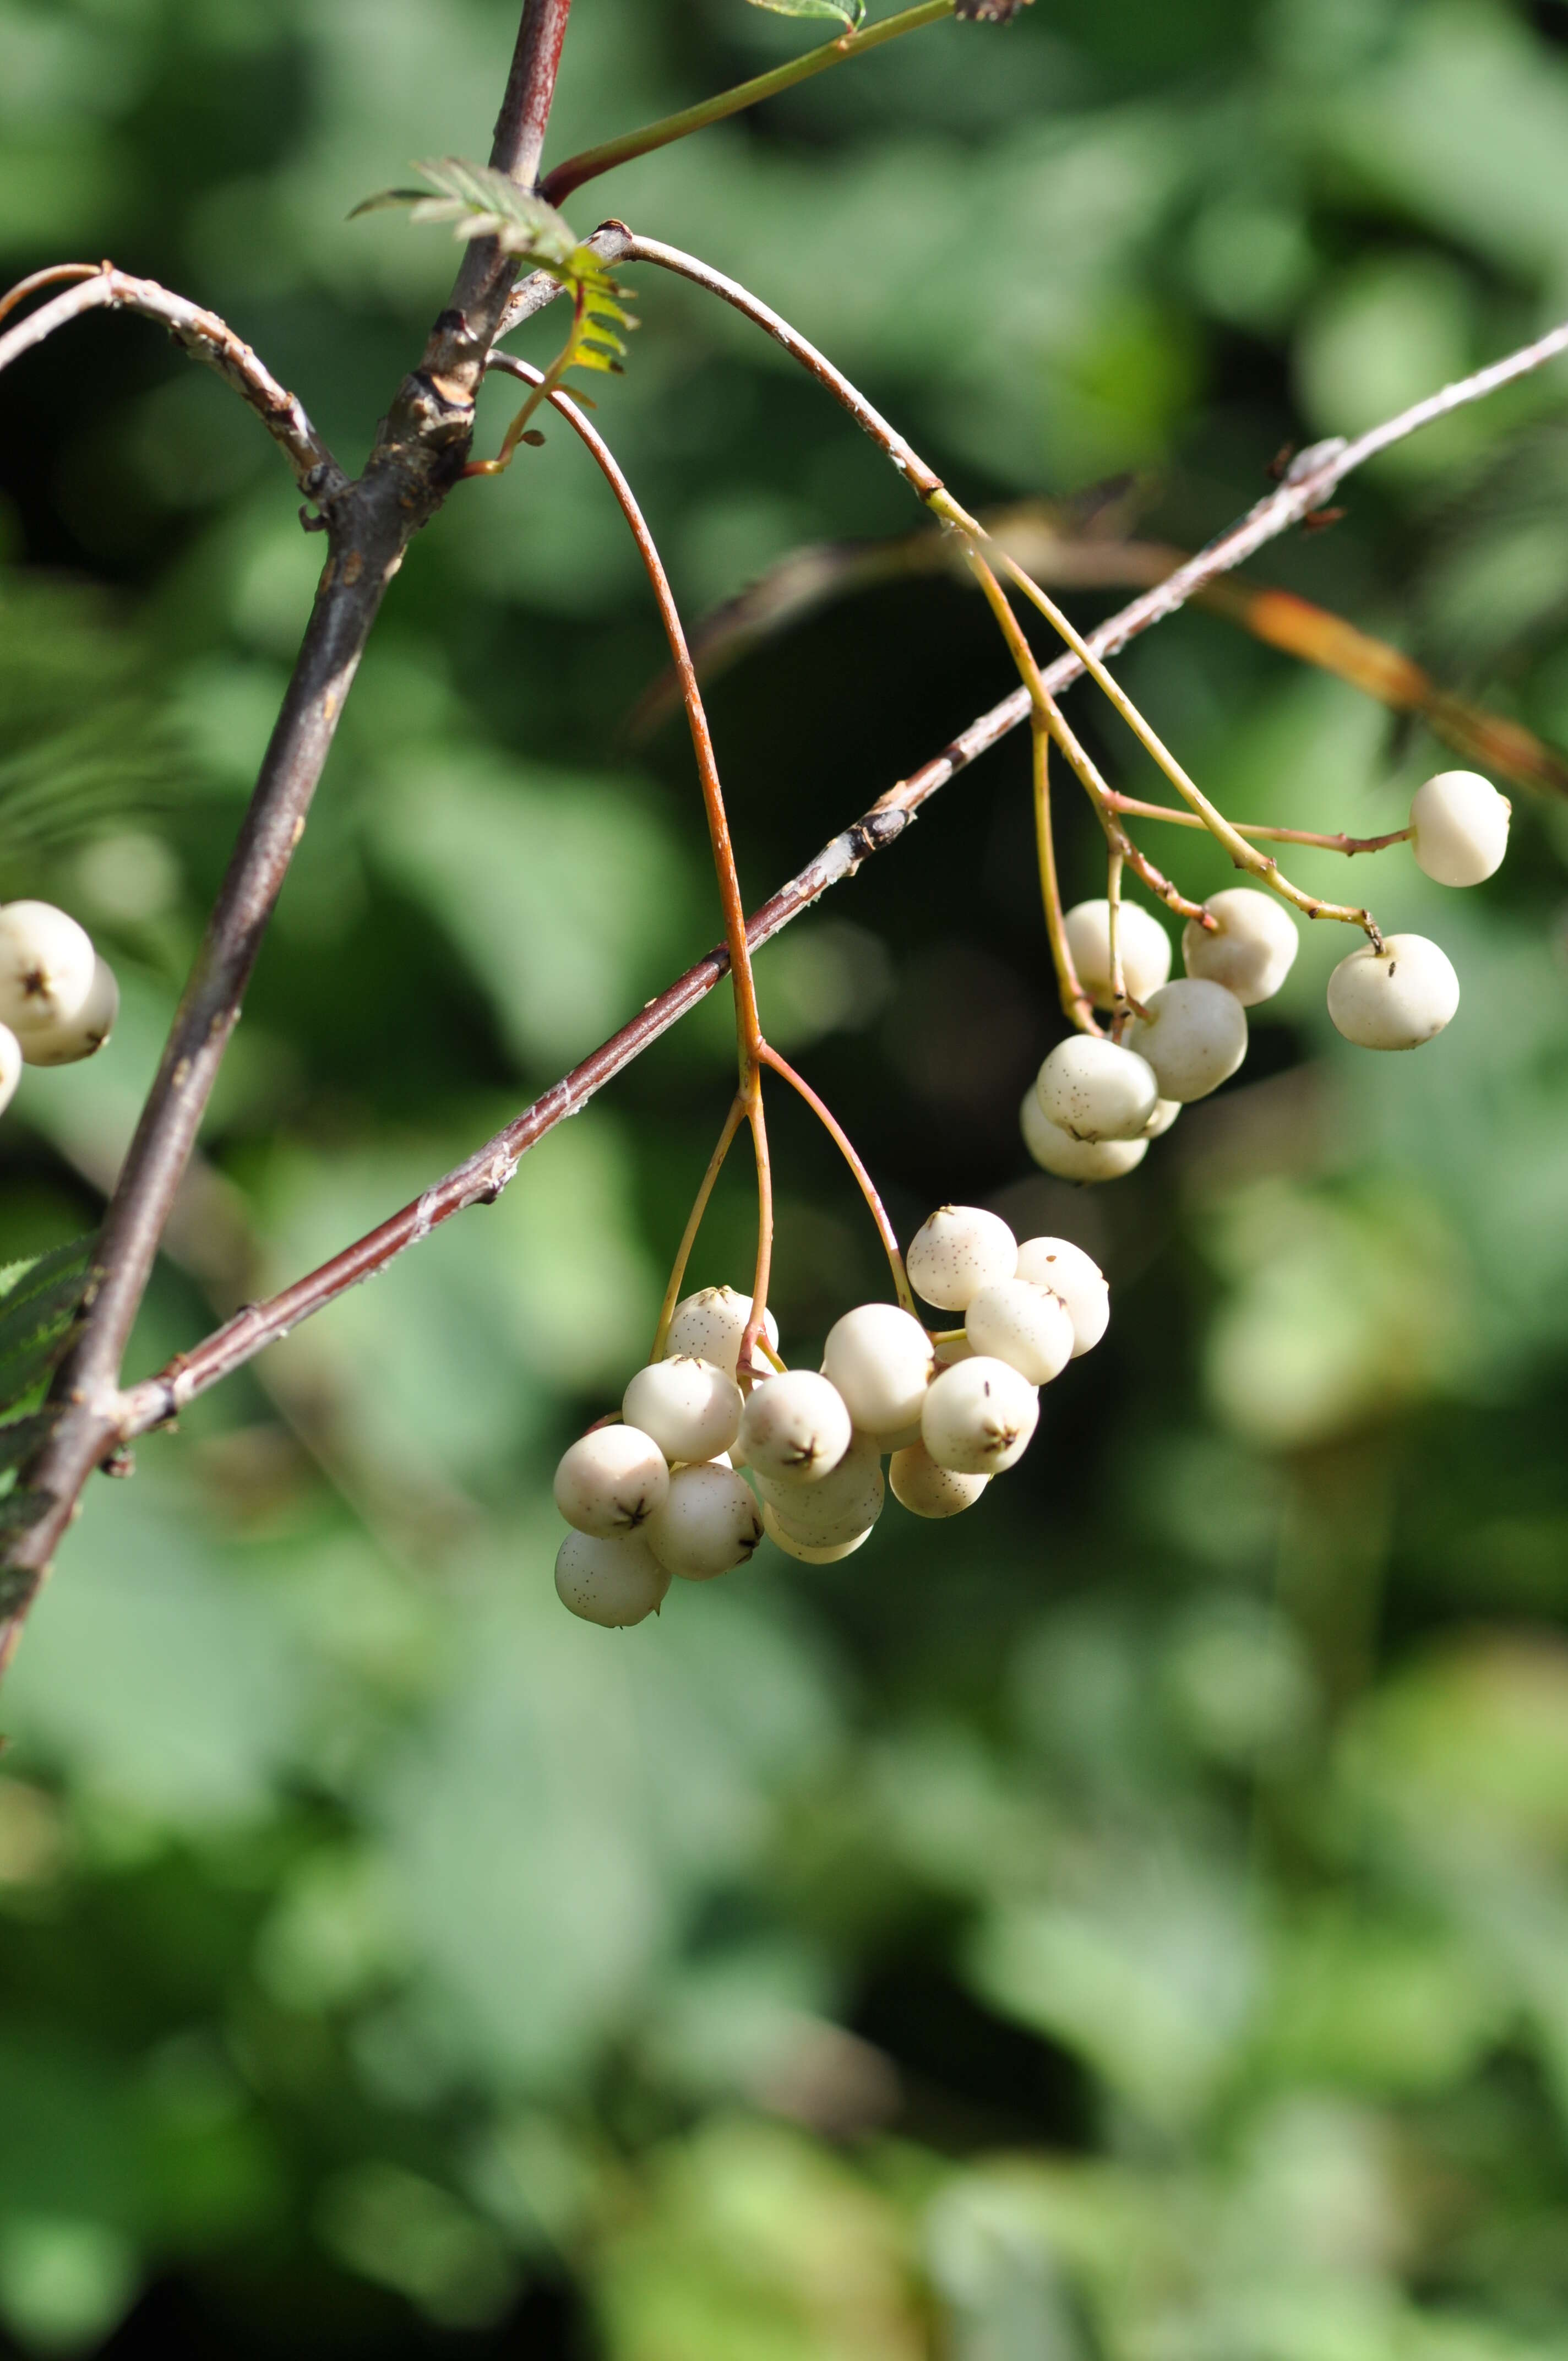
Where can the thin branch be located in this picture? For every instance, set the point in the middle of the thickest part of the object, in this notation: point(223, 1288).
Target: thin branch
point(558, 184)
point(851, 1156)
point(420, 450)
point(481, 1177)
point(732, 1121)
point(1338, 842)
point(199, 332)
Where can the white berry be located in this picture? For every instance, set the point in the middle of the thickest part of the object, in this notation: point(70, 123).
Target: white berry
point(1075, 1159)
point(952, 1349)
point(1461, 825)
point(795, 1427)
point(1165, 1114)
point(842, 1504)
point(978, 1416)
point(1395, 998)
point(1025, 1325)
point(612, 1481)
point(710, 1324)
point(705, 1524)
point(10, 1065)
point(1077, 1279)
point(611, 1581)
point(959, 1248)
point(880, 1359)
point(62, 1040)
point(47, 966)
point(691, 1408)
point(1143, 942)
point(1093, 1089)
point(808, 1552)
point(927, 1490)
point(1193, 1034)
point(1250, 952)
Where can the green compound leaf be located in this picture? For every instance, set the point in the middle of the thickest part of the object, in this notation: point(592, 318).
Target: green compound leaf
point(38, 1302)
point(480, 202)
point(851, 14)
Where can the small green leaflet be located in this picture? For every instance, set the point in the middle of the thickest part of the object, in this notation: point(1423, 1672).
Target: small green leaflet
point(479, 202)
point(38, 1302)
point(851, 14)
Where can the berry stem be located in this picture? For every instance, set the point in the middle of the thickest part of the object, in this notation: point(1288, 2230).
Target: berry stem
point(1049, 713)
point(1114, 937)
point(868, 1188)
point(753, 1338)
point(1077, 1006)
point(1336, 844)
point(732, 1123)
point(542, 393)
point(1260, 864)
point(558, 184)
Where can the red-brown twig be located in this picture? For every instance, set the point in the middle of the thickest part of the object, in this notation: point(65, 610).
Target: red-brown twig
point(422, 444)
point(100, 287)
point(482, 1175)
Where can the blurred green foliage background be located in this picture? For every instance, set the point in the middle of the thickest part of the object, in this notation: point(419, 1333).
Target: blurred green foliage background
point(1130, 1923)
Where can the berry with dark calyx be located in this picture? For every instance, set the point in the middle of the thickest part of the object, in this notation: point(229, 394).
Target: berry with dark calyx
point(64, 1040)
point(978, 1416)
point(691, 1408)
point(611, 1480)
point(709, 1326)
point(47, 966)
point(1193, 1034)
point(808, 1552)
point(881, 1361)
point(612, 1580)
point(1252, 950)
point(1056, 1151)
point(1077, 1279)
point(795, 1428)
point(1025, 1325)
point(1143, 942)
point(707, 1523)
point(1395, 998)
point(927, 1490)
point(843, 1503)
point(956, 1251)
point(1093, 1088)
point(1461, 827)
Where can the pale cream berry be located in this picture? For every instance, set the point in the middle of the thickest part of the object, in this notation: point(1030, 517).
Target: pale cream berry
point(1395, 998)
point(905, 1436)
point(1075, 1159)
point(707, 1523)
point(1077, 1279)
point(1025, 1325)
point(979, 1417)
point(959, 1248)
point(47, 966)
point(10, 1065)
point(841, 1504)
point(691, 1408)
point(611, 1580)
point(611, 1480)
point(1143, 942)
point(952, 1349)
point(710, 1324)
point(1461, 827)
point(1193, 1034)
point(1165, 1114)
point(880, 1359)
point(1250, 952)
point(63, 1040)
point(1093, 1089)
point(927, 1490)
point(795, 1427)
point(808, 1552)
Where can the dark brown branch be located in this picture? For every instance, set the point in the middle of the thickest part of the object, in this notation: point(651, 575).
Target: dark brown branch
point(482, 1175)
point(206, 339)
point(420, 452)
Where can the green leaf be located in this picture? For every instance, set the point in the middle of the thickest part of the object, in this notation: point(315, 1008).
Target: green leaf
point(851, 14)
point(20, 1437)
point(37, 1311)
point(482, 203)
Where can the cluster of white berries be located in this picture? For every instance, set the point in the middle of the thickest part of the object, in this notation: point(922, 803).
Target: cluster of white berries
point(58, 999)
point(661, 1493)
point(1096, 1104)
